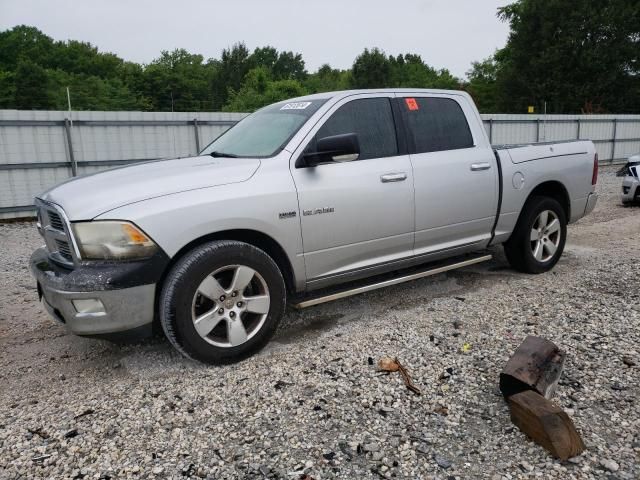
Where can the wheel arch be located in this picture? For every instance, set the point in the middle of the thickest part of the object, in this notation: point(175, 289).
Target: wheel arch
point(253, 237)
point(552, 189)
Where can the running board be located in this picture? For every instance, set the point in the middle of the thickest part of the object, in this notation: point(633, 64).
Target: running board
point(387, 283)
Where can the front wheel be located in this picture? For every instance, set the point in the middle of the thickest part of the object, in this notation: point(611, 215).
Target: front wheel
point(539, 237)
point(222, 301)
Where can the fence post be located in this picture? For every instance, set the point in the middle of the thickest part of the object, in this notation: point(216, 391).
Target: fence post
point(72, 159)
point(491, 131)
point(538, 130)
point(195, 129)
point(579, 128)
point(615, 134)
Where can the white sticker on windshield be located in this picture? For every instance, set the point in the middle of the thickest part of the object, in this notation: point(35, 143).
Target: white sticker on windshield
point(295, 106)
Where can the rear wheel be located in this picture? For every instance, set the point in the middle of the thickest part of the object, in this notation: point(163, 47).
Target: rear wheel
point(222, 301)
point(539, 237)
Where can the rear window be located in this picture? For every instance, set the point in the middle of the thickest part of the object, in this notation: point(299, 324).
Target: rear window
point(436, 124)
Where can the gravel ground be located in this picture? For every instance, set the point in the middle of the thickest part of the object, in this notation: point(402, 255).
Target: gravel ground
point(311, 402)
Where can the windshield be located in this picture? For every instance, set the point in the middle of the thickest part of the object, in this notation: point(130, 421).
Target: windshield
point(265, 132)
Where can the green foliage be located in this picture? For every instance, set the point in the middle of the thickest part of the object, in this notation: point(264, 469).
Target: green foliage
point(178, 81)
point(7, 89)
point(24, 43)
point(230, 71)
point(31, 86)
point(371, 69)
point(576, 56)
point(482, 85)
point(328, 79)
point(90, 91)
point(580, 55)
point(259, 89)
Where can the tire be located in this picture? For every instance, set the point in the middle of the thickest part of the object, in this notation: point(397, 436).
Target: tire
point(198, 297)
point(522, 248)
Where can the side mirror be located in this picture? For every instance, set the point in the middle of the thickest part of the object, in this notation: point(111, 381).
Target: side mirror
point(336, 148)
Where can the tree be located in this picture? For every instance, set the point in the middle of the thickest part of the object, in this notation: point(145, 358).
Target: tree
point(327, 79)
point(482, 85)
point(289, 66)
point(229, 73)
point(7, 90)
point(264, 57)
point(179, 81)
point(570, 54)
point(82, 57)
point(31, 87)
point(89, 92)
point(371, 69)
point(259, 89)
point(24, 43)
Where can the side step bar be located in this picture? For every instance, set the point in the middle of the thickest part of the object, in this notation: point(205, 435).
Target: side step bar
point(387, 283)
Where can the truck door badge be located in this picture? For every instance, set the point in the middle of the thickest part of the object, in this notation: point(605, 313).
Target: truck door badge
point(318, 211)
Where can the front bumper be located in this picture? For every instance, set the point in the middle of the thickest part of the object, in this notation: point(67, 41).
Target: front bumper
point(108, 300)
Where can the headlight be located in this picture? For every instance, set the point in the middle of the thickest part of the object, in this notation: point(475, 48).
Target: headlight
point(112, 240)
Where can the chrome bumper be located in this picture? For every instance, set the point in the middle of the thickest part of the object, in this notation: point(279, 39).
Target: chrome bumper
point(92, 311)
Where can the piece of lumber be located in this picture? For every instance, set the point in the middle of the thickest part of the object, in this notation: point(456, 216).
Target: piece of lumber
point(546, 424)
point(535, 365)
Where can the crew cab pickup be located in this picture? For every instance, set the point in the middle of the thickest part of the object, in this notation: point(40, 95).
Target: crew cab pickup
point(303, 201)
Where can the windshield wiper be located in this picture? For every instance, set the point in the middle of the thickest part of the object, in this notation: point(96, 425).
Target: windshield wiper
point(215, 154)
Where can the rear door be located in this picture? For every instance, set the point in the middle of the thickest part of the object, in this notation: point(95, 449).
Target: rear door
point(359, 214)
point(455, 173)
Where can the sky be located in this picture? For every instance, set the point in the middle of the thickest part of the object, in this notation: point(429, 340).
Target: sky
point(446, 33)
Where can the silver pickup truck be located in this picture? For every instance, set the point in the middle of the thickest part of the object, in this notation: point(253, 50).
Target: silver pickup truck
point(302, 202)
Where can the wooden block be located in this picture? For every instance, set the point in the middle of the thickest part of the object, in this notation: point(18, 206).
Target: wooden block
point(535, 365)
point(546, 424)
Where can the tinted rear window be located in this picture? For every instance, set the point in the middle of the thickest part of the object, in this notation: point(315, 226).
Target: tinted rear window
point(436, 124)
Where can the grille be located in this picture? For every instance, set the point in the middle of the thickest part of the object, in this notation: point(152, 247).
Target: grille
point(55, 221)
point(56, 232)
point(64, 250)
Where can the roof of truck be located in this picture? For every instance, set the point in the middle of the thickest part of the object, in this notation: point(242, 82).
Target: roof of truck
point(347, 93)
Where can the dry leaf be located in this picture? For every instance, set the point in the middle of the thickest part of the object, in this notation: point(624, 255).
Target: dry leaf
point(388, 364)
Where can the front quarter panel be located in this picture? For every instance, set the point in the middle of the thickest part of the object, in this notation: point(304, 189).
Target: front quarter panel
point(174, 221)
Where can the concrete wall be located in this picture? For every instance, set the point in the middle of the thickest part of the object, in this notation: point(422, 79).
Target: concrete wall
point(41, 148)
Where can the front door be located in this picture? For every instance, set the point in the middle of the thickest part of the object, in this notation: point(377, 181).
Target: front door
point(359, 214)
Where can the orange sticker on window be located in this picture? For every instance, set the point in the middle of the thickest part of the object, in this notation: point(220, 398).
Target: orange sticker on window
point(411, 103)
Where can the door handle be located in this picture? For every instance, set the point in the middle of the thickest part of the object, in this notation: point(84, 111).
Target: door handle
point(393, 177)
point(475, 167)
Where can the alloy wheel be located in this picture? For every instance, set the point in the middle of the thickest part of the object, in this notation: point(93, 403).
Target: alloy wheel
point(230, 306)
point(545, 236)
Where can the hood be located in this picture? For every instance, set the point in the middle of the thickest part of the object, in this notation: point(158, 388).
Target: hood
point(86, 197)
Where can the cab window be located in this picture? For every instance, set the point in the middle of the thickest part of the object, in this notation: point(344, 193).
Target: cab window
point(371, 119)
point(436, 124)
